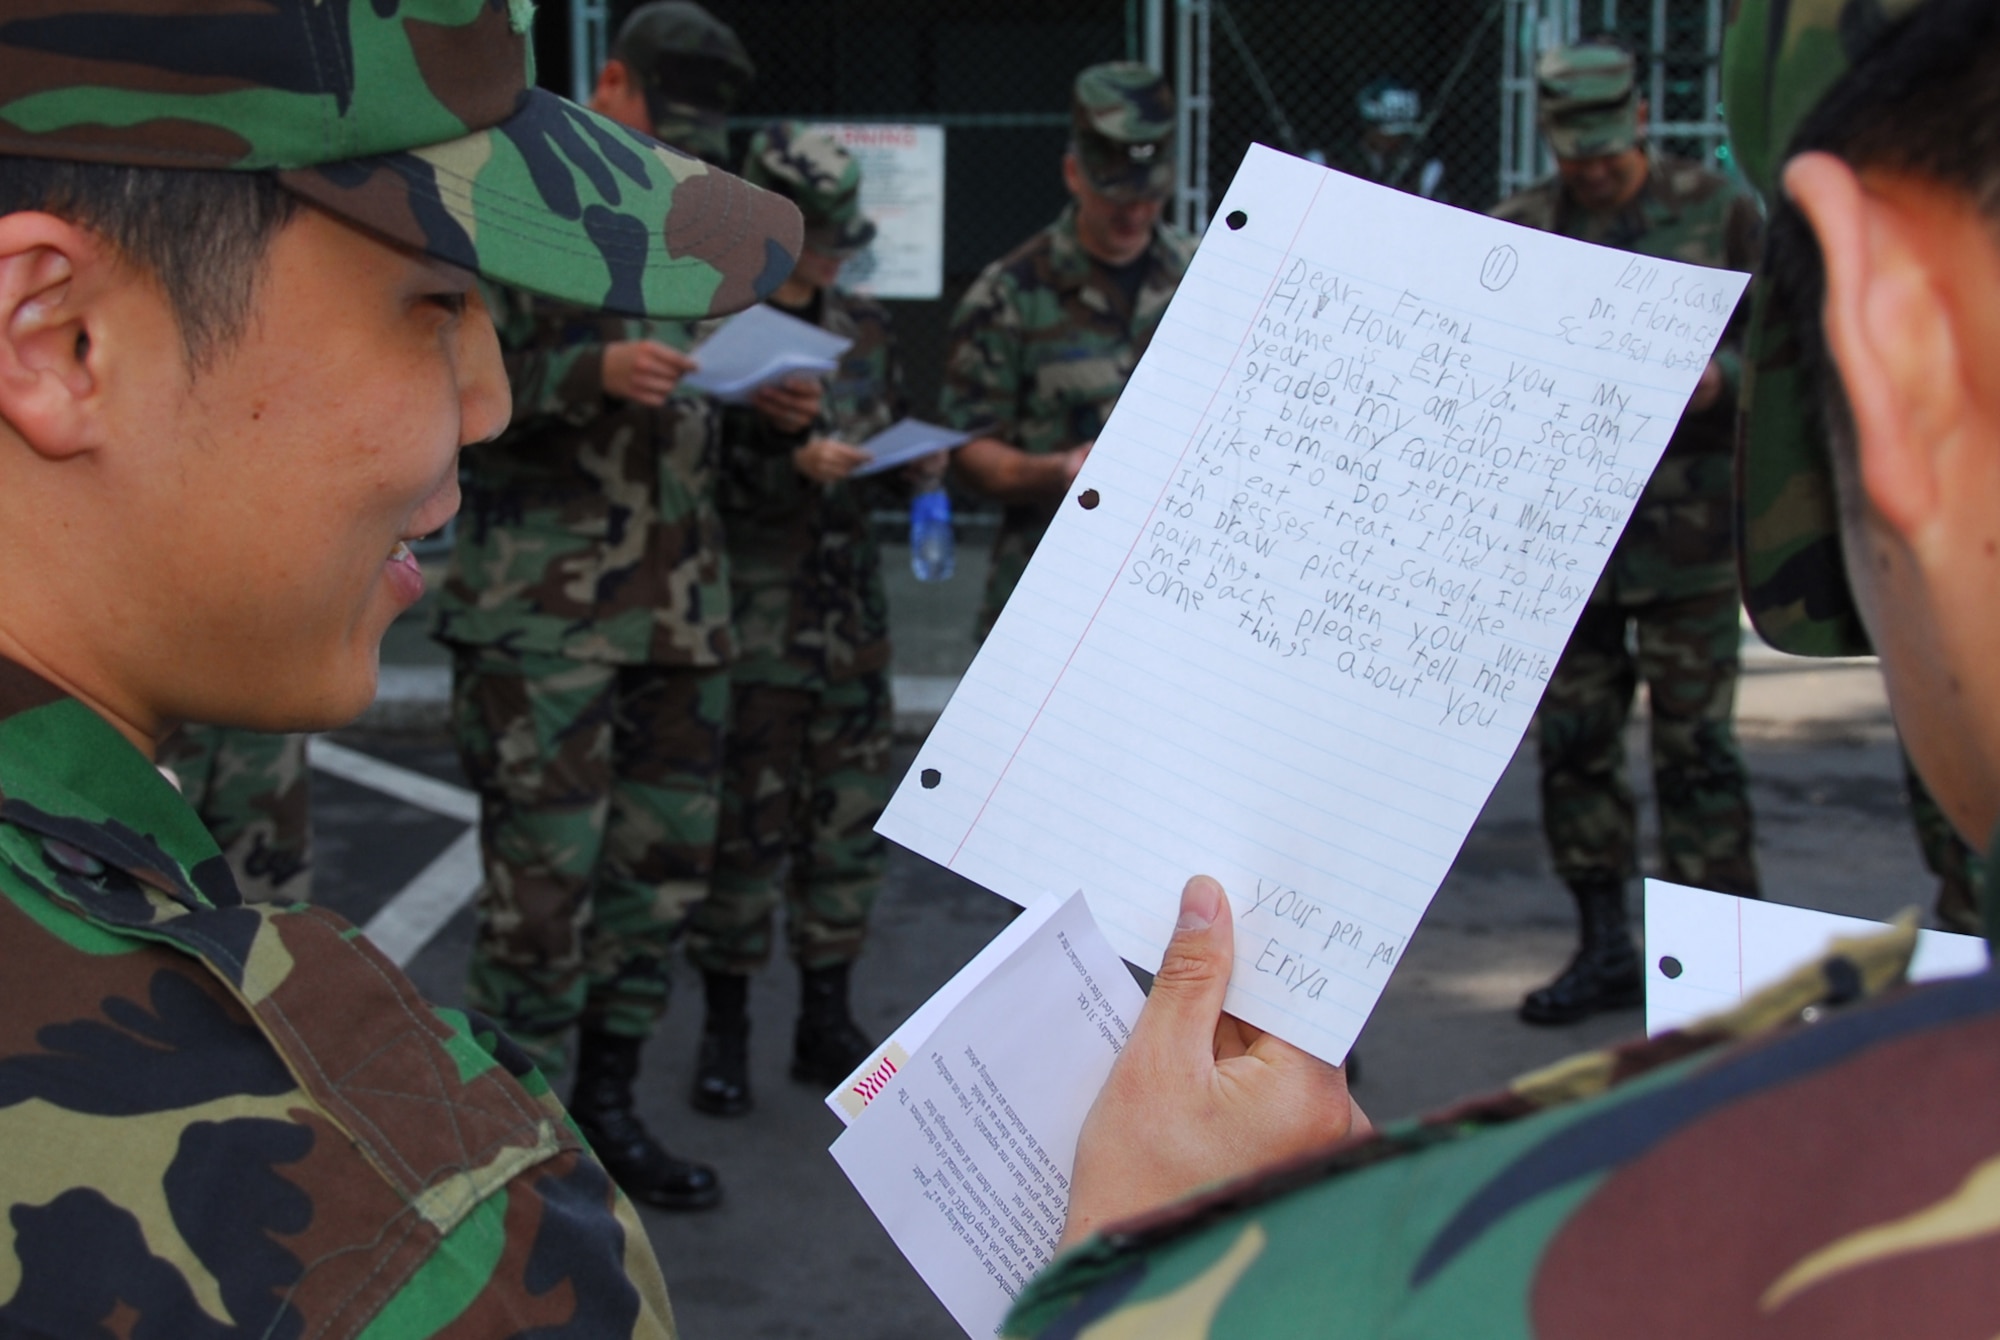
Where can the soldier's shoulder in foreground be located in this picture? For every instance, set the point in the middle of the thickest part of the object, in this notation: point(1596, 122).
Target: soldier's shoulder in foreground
point(385, 1162)
point(1532, 206)
point(1605, 1195)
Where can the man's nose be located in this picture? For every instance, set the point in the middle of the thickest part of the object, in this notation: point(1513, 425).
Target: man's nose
point(486, 402)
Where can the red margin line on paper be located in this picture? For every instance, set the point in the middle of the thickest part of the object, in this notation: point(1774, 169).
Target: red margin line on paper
point(1140, 533)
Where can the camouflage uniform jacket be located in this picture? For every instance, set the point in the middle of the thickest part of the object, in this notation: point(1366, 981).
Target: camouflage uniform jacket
point(805, 574)
point(1679, 1186)
point(589, 528)
point(1039, 349)
point(1680, 541)
point(232, 1120)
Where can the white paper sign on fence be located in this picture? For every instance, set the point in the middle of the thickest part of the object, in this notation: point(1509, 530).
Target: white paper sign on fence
point(1291, 620)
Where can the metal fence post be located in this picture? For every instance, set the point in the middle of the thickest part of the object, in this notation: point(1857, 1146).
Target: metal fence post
point(1191, 68)
point(589, 44)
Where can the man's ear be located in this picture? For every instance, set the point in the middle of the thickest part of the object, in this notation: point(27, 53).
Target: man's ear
point(1072, 173)
point(48, 387)
point(615, 89)
point(1890, 333)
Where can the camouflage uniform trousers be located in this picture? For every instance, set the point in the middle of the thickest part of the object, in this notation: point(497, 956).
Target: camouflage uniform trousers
point(254, 796)
point(807, 777)
point(597, 802)
point(1688, 655)
point(1959, 870)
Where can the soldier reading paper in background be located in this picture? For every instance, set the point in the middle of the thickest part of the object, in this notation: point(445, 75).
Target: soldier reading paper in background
point(587, 609)
point(1044, 340)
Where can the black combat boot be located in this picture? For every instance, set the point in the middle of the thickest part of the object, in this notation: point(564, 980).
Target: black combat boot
point(1605, 974)
point(602, 1105)
point(722, 1068)
point(826, 1046)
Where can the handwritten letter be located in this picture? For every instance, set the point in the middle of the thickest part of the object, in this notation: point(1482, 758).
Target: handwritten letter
point(1300, 605)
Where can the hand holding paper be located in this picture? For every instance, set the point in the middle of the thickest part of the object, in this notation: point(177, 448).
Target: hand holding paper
point(962, 1129)
point(904, 441)
point(759, 346)
point(1198, 1097)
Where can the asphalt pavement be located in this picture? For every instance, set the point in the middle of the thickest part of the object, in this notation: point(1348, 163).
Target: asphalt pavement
point(792, 1252)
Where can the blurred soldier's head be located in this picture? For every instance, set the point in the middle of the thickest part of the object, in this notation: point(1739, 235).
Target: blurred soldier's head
point(1391, 112)
point(1588, 105)
point(816, 173)
point(1120, 165)
point(676, 72)
point(1869, 456)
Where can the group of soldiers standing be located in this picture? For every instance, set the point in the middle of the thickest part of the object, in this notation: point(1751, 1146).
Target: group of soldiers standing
point(669, 632)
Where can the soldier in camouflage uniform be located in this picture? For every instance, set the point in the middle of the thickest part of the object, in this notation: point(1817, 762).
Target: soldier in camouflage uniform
point(1958, 867)
point(1044, 340)
point(238, 249)
point(587, 609)
point(1819, 1162)
point(1669, 585)
point(253, 793)
point(806, 775)
point(1388, 151)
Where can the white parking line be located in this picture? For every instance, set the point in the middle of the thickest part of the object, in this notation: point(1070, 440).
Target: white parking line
point(412, 788)
point(410, 920)
point(406, 923)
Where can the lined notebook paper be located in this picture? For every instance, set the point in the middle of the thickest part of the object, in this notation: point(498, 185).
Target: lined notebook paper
point(1706, 951)
point(1300, 604)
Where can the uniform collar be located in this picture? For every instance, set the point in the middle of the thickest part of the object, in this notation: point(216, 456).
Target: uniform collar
point(1070, 266)
point(1657, 205)
point(93, 802)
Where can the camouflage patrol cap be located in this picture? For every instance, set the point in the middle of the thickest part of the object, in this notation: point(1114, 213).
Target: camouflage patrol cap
point(693, 70)
point(1779, 60)
point(1122, 123)
point(815, 172)
point(417, 119)
point(1587, 99)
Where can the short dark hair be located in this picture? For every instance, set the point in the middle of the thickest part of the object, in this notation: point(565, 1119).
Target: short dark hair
point(1924, 101)
point(203, 236)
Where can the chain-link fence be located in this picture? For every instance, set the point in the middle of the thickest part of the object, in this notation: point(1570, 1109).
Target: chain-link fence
point(995, 75)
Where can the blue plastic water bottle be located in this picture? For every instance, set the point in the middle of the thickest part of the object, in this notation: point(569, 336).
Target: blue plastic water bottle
point(933, 553)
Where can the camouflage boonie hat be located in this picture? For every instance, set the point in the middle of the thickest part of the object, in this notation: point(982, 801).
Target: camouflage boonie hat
point(1122, 121)
point(815, 172)
point(1391, 107)
point(1587, 100)
point(693, 70)
point(1778, 61)
point(417, 119)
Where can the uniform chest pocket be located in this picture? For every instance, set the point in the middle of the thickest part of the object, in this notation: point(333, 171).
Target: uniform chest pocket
point(1081, 377)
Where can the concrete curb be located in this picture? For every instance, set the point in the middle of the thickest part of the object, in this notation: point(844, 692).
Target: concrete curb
point(416, 700)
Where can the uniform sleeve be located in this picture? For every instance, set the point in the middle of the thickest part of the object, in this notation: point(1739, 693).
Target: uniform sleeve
point(561, 1222)
point(888, 402)
point(982, 370)
point(552, 376)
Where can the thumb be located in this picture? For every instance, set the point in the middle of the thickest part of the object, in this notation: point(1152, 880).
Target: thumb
point(1186, 1001)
